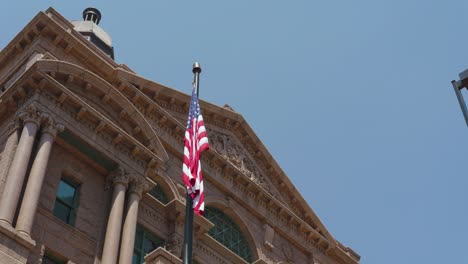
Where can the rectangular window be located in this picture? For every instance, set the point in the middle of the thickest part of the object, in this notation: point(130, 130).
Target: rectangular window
point(66, 202)
point(145, 243)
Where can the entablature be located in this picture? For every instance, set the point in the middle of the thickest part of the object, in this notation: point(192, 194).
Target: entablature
point(43, 87)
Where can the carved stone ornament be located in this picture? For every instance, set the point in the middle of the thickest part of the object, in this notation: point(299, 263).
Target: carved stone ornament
point(120, 175)
point(236, 155)
point(288, 253)
point(49, 126)
point(174, 244)
point(15, 124)
point(41, 254)
point(30, 115)
point(138, 187)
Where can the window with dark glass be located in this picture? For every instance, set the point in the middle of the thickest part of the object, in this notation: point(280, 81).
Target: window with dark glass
point(66, 202)
point(145, 243)
point(228, 233)
point(50, 259)
point(158, 193)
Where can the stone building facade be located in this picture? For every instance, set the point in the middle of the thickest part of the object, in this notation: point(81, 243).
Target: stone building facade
point(90, 165)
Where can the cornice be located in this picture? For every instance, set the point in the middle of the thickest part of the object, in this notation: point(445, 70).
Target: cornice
point(33, 84)
point(249, 195)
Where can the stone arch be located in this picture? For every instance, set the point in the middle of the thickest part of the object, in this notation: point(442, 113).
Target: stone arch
point(54, 66)
point(168, 186)
point(227, 208)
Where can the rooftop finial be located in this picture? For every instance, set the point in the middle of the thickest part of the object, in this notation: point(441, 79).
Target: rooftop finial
point(92, 14)
point(196, 67)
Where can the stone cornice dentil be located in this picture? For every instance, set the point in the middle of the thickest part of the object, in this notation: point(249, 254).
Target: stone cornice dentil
point(139, 150)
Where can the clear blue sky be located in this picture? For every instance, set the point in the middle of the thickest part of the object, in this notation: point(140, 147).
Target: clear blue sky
point(352, 98)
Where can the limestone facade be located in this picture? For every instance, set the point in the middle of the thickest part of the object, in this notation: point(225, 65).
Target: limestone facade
point(68, 111)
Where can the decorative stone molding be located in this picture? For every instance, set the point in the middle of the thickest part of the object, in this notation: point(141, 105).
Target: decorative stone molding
point(120, 175)
point(107, 130)
point(30, 115)
point(269, 237)
point(174, 244)
point(49, 126)
point(160, 255)
point(157, 218)
point(226, 146)
point(138, 187)
point(288, 253)
point(14, 124)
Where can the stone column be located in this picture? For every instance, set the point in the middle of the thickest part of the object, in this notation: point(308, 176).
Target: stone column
point(129, 228)
point(110, 252)
point(19, 165)
point(36, 176)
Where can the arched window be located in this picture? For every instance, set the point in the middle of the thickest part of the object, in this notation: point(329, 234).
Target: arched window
point(158, 193)
point(228, 233)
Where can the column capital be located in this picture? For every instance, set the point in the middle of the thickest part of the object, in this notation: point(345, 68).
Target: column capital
point(30, 115)
point(139, 186)
point(120, 175)
point(49, 126)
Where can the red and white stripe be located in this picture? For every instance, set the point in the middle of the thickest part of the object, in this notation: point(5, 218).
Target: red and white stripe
point(196, 141)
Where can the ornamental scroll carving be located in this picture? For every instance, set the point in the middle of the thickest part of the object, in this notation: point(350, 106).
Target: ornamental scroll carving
point(119, 176)
point(288, 253)
point(226, 146)
point(30, 114)
point(174, 244)
point(50, 126)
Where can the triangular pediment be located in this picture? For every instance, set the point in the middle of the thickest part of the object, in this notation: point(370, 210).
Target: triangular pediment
point(232, 139)
point(231, 149)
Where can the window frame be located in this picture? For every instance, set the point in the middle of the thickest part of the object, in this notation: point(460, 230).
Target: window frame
point(158, 193)
point(246, 253)
point(73, 207)
point(145, 234)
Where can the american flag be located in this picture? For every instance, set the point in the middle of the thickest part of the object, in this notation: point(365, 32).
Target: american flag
point(196, 141)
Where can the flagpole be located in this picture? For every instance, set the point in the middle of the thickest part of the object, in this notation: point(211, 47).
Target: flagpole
point(188, 228)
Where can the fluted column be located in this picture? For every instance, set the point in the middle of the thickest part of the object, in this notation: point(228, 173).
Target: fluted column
point(110, 252)
point(129, 228)
point(19, 165)
point(36, 176)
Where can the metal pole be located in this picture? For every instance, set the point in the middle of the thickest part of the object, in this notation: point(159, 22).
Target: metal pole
point(196, 78)
point(461, 101)
point(188, 229)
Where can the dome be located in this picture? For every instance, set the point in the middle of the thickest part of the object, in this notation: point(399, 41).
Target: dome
point(90, 29)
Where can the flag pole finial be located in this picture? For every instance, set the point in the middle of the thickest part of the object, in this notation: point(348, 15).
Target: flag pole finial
point(196, 68)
